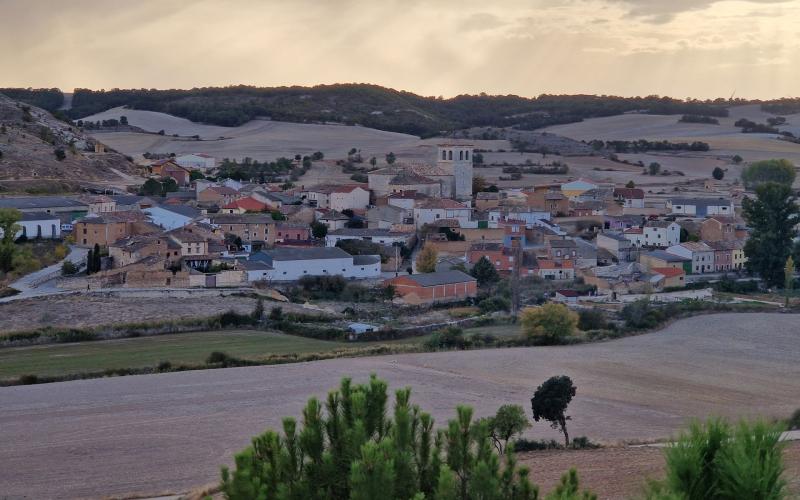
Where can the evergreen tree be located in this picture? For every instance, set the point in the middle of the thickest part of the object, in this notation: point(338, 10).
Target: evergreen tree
point(772, 217)
point(550, 403)
point(89, 262)
point(485, 272)
point(718, 173)
point(97, 259)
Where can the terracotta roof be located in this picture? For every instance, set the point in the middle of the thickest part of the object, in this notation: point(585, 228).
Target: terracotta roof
point(668, 272)
point(442, 203)
point(247, 204)
point(629, 193)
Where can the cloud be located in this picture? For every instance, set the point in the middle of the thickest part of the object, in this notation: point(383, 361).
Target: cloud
point(664, 11)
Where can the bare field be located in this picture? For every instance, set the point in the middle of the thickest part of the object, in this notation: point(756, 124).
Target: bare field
point(170, 432)
point(724, 139)
point(263, 139)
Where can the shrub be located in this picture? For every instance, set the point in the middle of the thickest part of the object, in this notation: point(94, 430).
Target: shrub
point(550, 323)
point(592, 319)
point(494, 303)
point(68, 268)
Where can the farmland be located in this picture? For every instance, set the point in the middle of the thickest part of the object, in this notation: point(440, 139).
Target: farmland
point(170, 432)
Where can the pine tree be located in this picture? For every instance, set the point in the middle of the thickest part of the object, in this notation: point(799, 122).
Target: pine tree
point(96, 259)
point(89, 262)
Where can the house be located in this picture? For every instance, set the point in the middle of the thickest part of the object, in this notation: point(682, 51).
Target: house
point(172, 216)
point(719, 228)
point(514, 233)
point(485, 200)
point(168, 168)
point(435, 209)
point(655, 234)
point(629, 197)
point(701, 255)
point(566, 296)
point(556, 203)
point(99, 204)
point(331, 218)
point(562, 250)
point(728, 255)
point(624, 278)
point(290, 264)
point(700, 207)
point(578, 187)
point(38, 225)
point(286, 232)
point(622, 222)
point(217, 195)
point(662, 259)
point(127, 202)
point(389, 217)
point(347, 197)
point(251, 228)
point(617, 245)
point(445, 286)
point(528, 216)
point(244, 205)
point(105, 229)
point(196, 161)
point(673, 278)
point(559, 271)
point(399, 179)
point(384, 237)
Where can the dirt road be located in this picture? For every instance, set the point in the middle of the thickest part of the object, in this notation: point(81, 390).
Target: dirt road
point(170, 432)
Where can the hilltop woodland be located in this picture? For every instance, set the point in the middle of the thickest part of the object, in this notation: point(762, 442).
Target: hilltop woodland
point(367, 105)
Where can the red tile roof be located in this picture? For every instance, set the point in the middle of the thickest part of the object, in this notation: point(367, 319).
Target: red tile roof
point(248, 203)
point(668, 272)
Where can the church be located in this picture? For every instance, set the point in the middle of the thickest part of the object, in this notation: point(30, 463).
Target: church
point(450, 177)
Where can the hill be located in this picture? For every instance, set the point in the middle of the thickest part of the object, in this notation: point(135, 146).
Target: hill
point(40, 154)
point(377, 107)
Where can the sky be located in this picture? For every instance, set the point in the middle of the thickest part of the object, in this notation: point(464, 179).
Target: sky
point(680, 48)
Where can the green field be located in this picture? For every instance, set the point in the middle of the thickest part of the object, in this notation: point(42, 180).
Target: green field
point(183, 348)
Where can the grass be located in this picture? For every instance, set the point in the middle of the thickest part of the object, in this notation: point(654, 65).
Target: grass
point(183, 348)
point(189, 348)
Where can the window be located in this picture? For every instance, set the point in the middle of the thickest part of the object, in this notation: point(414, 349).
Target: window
point(466, 155)
point(450, 155)
point(460, 155)
point(444, 155)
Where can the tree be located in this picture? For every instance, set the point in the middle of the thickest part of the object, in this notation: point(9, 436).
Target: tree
point(195, 175)
point(319, 230)
point(772, 217)
point(654, 168)
point(718, 173)
point(509, 421)
point(317, 156)
point(550, 402)
point(68, 268)
point(169, 185)
point(760, 172)
point(427, 259)
point(258, 310)
point(485, 272)
point(89, 262)
point(477, 159)
point(352, 447)
point(373, 161)
point(123, 120)
point(478, 184)
point(718, 461)
point(60, 154)
point(97, 259)
point(551, 322)
point(630, 185)
point(151, 187)
point(390, 158)
point(9, 227)
point(737, 159)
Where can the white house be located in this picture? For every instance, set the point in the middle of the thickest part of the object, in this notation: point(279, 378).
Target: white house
point(701, 254)
point(198, 161)
point(349, 197)
point(700, 207)
point(38, 225)
point(630, 197)
point(380, 236)
point(434, 210)
point(171, 216)
point(530, 217)
point(290, 264)
point(658, 234)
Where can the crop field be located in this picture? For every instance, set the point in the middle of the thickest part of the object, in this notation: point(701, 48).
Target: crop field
point(170, 432)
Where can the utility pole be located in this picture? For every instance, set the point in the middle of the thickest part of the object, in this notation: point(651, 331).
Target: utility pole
point(516, 245)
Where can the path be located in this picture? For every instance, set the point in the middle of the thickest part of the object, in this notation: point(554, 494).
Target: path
point(40, 283)
point(157, 434)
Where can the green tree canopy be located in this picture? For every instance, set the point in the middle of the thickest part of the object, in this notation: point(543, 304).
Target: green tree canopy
point(550, 322)
point(718, 173)
point(509, 421)
point(550, 402)
point(780, 171)
point(427, 259)
point(9, 227)
point(485, 272)
point(319, 230)
point(772, 217)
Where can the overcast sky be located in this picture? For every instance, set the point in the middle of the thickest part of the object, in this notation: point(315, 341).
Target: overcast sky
point(681, 48)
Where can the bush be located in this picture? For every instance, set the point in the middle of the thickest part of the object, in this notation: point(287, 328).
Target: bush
point(447, 338)
point(68, 268)
point(641, 315)
point(494, 303)
point(592, 319)
point(793, 423)
point(549, 324)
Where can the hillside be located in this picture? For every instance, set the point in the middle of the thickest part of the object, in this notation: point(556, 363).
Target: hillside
point(41, 154)
point(377, 107)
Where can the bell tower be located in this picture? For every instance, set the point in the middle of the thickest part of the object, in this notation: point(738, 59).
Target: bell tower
point(456, 160)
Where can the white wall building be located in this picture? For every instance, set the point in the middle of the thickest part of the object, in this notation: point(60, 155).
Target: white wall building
point(290, 264)
point(701, 254)
point(432, 211)
point(380, 236)
point(198, 161)
point(338, 197)
point(38, 225)
point(700, 207)
point(171, 216)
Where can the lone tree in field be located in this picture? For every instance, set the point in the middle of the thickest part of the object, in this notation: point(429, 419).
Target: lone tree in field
point(426, 260)
point(762, 172)
point(718, 173)
point(390, 158)
point(484, 272)
point(550, 403)
point(772, 217)
point(549, 323)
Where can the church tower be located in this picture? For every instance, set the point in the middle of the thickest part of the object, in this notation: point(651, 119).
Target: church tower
point(456, 160)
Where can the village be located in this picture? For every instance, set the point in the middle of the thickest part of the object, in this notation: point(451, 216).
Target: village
point(612, 239)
